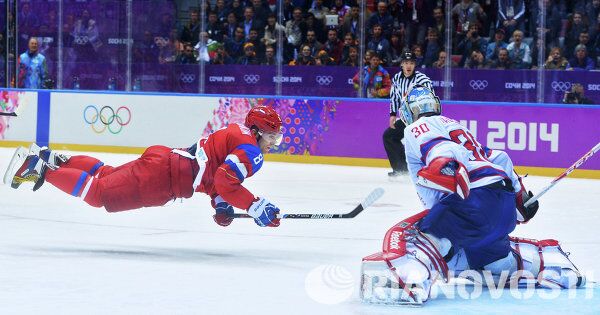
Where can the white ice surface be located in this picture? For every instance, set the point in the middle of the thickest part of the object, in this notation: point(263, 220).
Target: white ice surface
point(59, 255)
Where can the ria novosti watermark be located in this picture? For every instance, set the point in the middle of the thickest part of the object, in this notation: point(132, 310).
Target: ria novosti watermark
point(332, 284)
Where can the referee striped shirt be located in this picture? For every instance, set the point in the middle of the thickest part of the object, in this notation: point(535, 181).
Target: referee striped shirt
point(401, 85)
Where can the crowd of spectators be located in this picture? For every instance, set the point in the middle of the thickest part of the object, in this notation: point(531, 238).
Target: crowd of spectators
point(503, 34)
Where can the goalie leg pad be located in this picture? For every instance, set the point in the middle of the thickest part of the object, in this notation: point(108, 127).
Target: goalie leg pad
point(405, 270)
point(548, 263)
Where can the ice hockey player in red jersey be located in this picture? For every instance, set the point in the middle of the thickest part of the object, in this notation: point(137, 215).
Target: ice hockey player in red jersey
point(216, 166)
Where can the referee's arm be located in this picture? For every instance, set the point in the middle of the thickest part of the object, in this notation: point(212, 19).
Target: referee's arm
point(395, 99)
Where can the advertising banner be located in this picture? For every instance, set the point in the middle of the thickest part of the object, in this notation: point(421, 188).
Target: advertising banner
point(22, 128)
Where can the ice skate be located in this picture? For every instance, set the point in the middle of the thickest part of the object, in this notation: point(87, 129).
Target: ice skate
point(25, 168)
point(49, 156)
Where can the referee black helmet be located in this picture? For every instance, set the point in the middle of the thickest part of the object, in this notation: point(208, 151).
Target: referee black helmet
point(408, 55)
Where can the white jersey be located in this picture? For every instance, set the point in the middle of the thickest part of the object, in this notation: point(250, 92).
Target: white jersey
point(439, 136)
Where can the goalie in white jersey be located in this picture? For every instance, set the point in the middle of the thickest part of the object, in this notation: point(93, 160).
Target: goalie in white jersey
point(471, 195)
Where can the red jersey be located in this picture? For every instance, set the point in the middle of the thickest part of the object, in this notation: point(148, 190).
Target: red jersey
point(232, 155)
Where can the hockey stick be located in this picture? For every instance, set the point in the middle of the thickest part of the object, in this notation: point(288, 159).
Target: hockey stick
point(8, 114)
point(371, 198)
point(575, 165)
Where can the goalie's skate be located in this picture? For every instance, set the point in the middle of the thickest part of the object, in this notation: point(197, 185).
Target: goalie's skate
point(28, 169)
point(51, 157)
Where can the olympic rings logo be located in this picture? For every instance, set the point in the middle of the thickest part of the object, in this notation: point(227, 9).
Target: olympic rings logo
point(107, 118)
point(324, 79)
point(251, 78)
point(478, 84)
point(81, 40)
point(187, 77)
point(559, 86)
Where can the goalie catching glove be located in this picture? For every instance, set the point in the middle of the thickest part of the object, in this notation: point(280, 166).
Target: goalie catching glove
point(446, 175)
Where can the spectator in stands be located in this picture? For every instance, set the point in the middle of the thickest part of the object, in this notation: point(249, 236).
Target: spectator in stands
point(312, 42)
point(576, 95)
point(294, 28)
point(305, 58)
point(382, 18)
point(519, 52)
point(334, 46)
point(272, 31)
point(165, 25)
point(237, 9)
point(221, 57)
point(396, 48)
point(581, 61)
point(269, 59)
point(592, 10)
point(203, 46)
point(511, 15)
point(553, 24)
point(476, 60)
point(575, 26)
point(316, 25)
point(230, 26)
point(186, 57)
point(214, 28)
point(419, 57)
point(250, 22)
point(33, 71)
point(288, 10)
point(432, 47)
point(349, 41)
point(491, 51)
point(556, 61)
point(145, 50)
point(259, 47)
point(191, 31)
point(341, 8)
point(352, 60)
point(395, 10)
point(261, 11)
point(86, 38)
point(376, 80)
point(415, 16)
point(169, 48)
point(502, 61)
point(584, 39)
point(28, 21)
point(249, 57)
point(367, 56)
point(441, 61)
point(318, 10)
point(439, 21)
point(234, 46)
point(323, 59)
point(465, 14)
point(222, 11)
point(380, 45)
point(471, 41)
point(352, 21)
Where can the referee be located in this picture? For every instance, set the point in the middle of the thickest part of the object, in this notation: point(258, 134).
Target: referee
point(402, 83)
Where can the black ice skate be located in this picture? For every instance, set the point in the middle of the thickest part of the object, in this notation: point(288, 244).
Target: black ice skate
point(51, 157)
point(26, 168)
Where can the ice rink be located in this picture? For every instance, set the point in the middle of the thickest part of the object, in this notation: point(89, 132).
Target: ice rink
point(61, 256)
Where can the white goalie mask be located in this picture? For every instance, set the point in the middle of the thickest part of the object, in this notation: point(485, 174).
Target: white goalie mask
point(419, 100)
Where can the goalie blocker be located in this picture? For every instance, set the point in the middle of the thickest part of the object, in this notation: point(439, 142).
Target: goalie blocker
point(412, 261)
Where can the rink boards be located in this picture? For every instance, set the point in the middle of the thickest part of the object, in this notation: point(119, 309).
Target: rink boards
point(542, 139)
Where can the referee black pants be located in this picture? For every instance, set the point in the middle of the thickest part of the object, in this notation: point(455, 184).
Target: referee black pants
point(393, 147)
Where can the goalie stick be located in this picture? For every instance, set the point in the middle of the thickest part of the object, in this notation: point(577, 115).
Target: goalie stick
point(568, 171)
point(371, 198)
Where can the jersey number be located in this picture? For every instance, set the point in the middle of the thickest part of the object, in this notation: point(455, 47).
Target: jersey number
point(419, 130)
point(465, 139)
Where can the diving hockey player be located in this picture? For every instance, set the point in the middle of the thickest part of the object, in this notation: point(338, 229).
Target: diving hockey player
point(216, 166)
point(470, 193)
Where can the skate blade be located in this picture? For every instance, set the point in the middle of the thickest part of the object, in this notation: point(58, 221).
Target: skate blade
point(17, 160)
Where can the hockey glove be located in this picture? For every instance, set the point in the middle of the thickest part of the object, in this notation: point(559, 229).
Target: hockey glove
point(446, 175)
point(264, 212)
point(223, 211)
point(526, 212)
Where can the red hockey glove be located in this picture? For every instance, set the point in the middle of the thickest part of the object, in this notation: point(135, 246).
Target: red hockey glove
point(223, 211)
point(446, 175)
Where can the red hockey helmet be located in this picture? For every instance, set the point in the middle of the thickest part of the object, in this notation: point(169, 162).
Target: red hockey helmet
point(264, 118)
